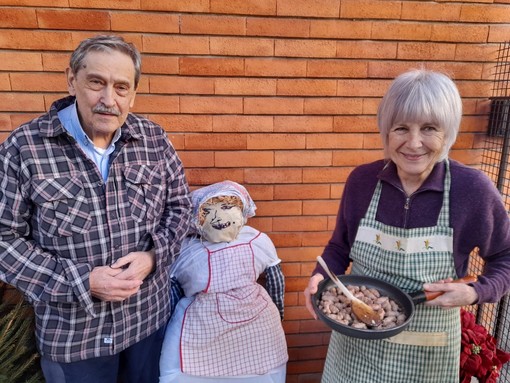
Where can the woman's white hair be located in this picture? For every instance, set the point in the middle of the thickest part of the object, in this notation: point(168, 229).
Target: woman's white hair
point(421, 96)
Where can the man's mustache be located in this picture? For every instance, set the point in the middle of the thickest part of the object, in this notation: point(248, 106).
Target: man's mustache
point(101, 108)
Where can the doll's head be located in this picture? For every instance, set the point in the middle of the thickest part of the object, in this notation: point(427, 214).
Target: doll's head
point(221, 210)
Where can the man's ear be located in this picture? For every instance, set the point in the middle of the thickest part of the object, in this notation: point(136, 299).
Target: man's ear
point(70, 82)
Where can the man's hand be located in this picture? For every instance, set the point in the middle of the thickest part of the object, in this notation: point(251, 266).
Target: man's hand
point(136, 265)
point(105, 285)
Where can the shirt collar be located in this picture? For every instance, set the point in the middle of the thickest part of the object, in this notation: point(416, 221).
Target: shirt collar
point(435, 180)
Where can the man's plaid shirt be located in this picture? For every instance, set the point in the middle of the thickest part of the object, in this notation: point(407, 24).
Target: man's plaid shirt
point(58, 220)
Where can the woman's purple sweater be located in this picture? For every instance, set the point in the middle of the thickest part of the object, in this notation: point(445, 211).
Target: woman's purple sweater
point(477, 215)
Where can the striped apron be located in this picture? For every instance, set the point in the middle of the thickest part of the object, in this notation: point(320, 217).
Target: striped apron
point(429, 350)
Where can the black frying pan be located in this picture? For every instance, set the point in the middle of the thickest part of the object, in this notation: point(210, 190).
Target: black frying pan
point(406, 301)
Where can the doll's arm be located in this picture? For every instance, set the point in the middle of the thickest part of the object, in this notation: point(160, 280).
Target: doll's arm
point(176, 293)
point(275, 286)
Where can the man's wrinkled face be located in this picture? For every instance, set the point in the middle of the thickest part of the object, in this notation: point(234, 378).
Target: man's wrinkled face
point(222, 220)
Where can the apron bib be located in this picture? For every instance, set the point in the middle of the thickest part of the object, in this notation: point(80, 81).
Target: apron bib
point(429, 350)
point(232, 328)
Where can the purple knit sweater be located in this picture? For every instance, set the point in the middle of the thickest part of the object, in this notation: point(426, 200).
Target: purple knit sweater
point(477, 215)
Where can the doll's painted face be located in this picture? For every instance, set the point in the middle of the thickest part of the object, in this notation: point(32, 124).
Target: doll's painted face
point(221, 218)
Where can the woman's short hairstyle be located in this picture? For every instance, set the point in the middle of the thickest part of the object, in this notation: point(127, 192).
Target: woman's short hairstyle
point(421, 96)
point(106, 43)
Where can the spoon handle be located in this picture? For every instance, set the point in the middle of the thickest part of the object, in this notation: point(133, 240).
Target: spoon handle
point(334, 278)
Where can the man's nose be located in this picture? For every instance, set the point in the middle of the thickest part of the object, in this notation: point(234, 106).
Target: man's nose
point(108, 96)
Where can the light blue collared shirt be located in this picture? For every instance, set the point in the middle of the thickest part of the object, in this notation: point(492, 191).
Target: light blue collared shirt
point(69, 119)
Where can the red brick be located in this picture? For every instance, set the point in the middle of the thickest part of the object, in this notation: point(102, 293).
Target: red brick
point(299, 254)
point(176, 44)
point(326, 174)
point(199, 159)
point(21, 102)
point(21, 61)
point(39, 82)
point(426, 51)
point(303, 158)
point(245, 86)
point(5, 82)
point(209, 175)
point(320, 207)
point(18, 18)
point(211, 105)
point(372, 88)
point(140, 22)
point(356, 157)
point(156, 104)
point(316, 239)
point(305, 48)
point(273, 105)
point(181, 85)
point(55, 61)
point(306, 87)
point(152, 64)
point(305, 124)
point(372, 141)
point(211, 66)
point(273, 176)
point(263, 225)
point(276, 141)
point(291, 270)
point(309, 223)
point(215, 142)
point(80, 20)
point(241, 46)
point(336, 68)
point(478, 13)
point(476, 52)
point(340, 29)
point(274, 67)
point(279, 208)
point(422, 10)
point(346, 124)
point(464, 33)
point(498, 33)
point(251, 7)
point(301, 192)
point(370, 9)
point(176, 5)
point(213, 25)
point(106, 4)
point(35, 3)
point(401, 31)
point(286, 240)
point(277, 27)
point(177, 140)
point(312, 8)
point(20, 118)
point(333, 105)
point(334, 141)
point(183, 122)
point(224, 159)
point(27, 40)
point(242, 123)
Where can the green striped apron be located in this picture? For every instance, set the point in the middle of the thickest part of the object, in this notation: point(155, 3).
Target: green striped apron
point(429, 350)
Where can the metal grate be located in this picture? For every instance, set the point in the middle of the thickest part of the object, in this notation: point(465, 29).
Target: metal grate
point(495, 163)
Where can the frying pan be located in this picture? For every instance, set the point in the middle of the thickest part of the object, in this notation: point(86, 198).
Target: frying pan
point(406, 301)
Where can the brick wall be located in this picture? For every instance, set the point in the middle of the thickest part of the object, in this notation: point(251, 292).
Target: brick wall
point(279, 95)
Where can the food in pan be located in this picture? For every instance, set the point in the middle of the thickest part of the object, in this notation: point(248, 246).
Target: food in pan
point(336, 306)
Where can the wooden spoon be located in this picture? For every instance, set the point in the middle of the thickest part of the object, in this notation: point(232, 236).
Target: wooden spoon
point(361, 310)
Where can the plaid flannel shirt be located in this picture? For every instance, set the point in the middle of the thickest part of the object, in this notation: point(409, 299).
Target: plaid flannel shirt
point(59, 220)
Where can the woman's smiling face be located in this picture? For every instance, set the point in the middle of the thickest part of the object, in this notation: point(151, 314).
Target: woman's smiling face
point(415, 147)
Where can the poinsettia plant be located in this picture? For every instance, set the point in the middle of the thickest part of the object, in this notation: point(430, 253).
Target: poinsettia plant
point(479, 355)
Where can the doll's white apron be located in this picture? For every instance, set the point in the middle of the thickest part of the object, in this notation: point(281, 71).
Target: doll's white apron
point(429, 350)
point(243, 333)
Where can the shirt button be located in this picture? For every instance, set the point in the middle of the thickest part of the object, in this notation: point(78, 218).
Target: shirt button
point(100, 183)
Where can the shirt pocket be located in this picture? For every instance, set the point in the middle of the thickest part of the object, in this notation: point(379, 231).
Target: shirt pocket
point(62, 207)
point(144, 184)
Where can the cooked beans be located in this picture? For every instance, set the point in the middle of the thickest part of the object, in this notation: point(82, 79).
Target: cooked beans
point(336, 306)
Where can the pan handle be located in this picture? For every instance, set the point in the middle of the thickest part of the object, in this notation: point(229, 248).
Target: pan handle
point(422, 296)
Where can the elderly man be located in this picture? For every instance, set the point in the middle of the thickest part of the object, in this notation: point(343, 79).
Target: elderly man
point(94, 204)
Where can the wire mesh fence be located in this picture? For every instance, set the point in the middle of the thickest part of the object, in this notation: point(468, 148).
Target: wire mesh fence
point(495, 163)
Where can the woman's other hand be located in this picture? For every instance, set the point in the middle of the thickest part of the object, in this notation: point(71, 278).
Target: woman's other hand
point(310, 290)
point(454, 294)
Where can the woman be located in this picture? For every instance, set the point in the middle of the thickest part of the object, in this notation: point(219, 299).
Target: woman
point(227, 328)
point(412, 220)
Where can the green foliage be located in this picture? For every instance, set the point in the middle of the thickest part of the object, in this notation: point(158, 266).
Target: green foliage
point(19, 360)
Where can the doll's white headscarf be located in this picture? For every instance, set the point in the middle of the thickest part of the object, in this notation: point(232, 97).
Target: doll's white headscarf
point(225, 188)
